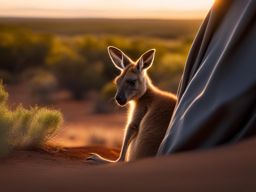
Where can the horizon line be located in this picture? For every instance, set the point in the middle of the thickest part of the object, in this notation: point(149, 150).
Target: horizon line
point(95, 18)
point(91, 13)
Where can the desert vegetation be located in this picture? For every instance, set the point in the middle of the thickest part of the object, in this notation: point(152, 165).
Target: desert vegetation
point(25, 128)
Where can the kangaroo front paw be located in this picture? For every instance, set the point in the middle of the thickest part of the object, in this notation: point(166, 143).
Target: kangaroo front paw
point(96, 159)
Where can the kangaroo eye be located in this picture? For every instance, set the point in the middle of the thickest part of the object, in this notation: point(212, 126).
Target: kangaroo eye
point(131, 82)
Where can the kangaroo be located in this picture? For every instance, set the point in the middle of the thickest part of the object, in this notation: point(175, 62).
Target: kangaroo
point(150, 109)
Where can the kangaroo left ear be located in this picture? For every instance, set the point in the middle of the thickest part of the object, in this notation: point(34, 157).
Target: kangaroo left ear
point(119, 59)
point(146, 60)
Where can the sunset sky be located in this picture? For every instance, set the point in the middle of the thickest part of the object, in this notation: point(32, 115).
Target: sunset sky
point(177, 9)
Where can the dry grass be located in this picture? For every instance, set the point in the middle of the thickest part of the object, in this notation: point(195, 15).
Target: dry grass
point(25, 128)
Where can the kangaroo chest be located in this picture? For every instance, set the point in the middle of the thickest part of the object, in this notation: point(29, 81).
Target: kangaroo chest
point(150, 133)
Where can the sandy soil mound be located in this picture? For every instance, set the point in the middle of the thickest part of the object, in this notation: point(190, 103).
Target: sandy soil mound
point(229, 168)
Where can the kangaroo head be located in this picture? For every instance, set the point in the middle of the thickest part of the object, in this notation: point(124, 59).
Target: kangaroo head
point(133, 81)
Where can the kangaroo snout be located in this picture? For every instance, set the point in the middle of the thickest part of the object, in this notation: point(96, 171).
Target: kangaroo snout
point(120, 99)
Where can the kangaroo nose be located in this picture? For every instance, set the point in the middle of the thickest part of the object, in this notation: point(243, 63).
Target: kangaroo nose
point(120, 100)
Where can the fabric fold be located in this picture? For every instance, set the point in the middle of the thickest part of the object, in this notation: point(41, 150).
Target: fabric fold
point(217, 94)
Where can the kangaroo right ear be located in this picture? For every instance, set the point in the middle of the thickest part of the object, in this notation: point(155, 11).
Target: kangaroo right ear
point(146, 60)
point(119, 59)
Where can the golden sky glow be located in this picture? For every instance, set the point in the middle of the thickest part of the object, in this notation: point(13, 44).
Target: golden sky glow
point(106, 8)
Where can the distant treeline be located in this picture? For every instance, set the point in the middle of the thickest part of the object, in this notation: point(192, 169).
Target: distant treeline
point(123, 27)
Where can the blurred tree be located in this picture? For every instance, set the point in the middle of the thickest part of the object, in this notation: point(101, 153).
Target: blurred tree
point(42, 85)
point(21, 49)
point(72, 70)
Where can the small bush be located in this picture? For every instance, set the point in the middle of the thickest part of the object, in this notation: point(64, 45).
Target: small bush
point(167, 73)
point(42, 85)
point(21, 49)
point(7, 77)
point(105, 103)
point(3, 95)
point(73, 71)
point(5, 124)
point(23, 128)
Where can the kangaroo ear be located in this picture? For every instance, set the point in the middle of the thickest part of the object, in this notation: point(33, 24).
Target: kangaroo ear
point(146, 60)
point(119, 59)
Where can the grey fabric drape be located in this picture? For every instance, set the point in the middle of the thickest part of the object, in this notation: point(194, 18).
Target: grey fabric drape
point(217, 94)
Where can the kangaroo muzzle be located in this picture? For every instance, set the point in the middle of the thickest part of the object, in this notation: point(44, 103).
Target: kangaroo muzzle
point(121, 99)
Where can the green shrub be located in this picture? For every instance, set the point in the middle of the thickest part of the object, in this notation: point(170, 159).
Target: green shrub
point(5, 122)
point(7, 77)
point(22, 49)
point(23, 128)
point(42, 125)
point(73, 71)
point(168, 71)
point(3, 95)
point(42, 85)
point(105, 102)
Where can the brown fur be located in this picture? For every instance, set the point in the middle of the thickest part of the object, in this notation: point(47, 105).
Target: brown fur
point(150, 110)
